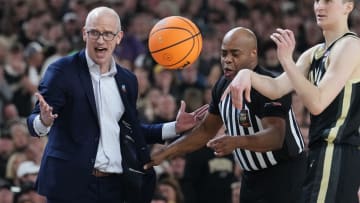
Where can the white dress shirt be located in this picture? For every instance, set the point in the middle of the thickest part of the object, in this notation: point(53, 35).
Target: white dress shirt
point(110, 108)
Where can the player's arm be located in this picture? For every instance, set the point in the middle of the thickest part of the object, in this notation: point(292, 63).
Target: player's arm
point(269, 139)
point(342, 67)
point(195, 140)
point(270, 87)
point(245, 79)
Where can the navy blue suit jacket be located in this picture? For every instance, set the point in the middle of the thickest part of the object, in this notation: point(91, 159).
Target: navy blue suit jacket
point(70, 154)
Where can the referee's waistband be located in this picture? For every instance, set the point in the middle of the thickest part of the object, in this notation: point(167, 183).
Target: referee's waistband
point(301, 156)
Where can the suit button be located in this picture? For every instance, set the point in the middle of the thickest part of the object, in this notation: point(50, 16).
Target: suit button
point(96, 139)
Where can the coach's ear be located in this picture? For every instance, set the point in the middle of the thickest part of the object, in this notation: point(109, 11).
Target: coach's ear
point(84, 34)
point(254, 53)
point(119, 37)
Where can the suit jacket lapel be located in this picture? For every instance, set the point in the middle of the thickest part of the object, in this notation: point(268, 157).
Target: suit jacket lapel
point(85, 79)
point(123, 88)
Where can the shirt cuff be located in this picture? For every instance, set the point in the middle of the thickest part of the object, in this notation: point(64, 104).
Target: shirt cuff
point(39, 127)
point(168, 131)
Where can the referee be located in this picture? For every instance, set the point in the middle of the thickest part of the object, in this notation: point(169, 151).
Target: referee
point(263, 136)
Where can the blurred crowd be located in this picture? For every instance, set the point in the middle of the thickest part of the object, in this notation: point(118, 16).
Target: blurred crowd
point(35, 33)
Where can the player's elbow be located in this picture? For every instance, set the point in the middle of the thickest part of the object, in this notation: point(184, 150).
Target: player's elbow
point(316, 109)
point(274, 96)
point(316, 105)
point(315, 112)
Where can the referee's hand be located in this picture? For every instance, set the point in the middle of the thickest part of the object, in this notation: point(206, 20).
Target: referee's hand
point(222, 145)
point(156, 159)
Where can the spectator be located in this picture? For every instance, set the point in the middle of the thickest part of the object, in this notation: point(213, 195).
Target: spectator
point(12, 166)
point(166, 109)
point(190, 78)
point(11, 116)
point(207, 178)
point(193, 98)
point(170, 189)
point(159, 198)
point(20, 136)
point(35, 149)
point(164, 79)
point(63, 48)
point(28, 194)
point(6, 195)
point(34, 58)
point(27, 172)
point(177, 167)
point(235, 192)
point(151, 103)
point(72, 28)
point(16, 75)
point(6, 149)
point(271, 62)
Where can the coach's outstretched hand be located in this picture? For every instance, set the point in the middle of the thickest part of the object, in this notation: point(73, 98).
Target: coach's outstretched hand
point(46, 115)
point(186, 121)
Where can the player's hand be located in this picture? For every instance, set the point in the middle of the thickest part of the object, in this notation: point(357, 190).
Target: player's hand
point(156, 159)
point(222, 145)
point(46, 115)
point(186, 121)
point(240, 86)
point(285, 41)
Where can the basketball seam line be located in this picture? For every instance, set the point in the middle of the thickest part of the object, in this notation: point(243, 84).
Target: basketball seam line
point(181, 60)
point(175, 43)
point(186, 21)
point(167, 28)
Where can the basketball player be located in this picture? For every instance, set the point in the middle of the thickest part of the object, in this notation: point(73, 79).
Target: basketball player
point(327, 79)
point(263, 136)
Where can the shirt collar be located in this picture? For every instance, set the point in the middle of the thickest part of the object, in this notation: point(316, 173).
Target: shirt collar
point(94, 68)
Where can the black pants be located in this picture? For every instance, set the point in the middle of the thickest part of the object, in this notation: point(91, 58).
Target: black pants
point(100, 190)
point(281, 183)
point(333, 174)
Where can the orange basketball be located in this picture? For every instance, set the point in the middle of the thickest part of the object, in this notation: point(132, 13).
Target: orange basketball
point(175, 42)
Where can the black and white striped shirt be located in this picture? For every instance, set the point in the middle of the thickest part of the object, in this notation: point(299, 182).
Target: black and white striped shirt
point(259, 108)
